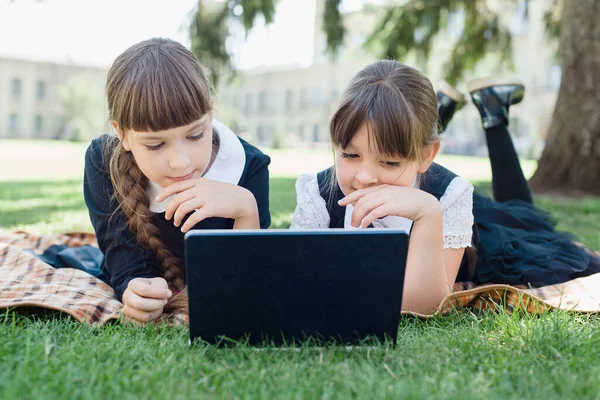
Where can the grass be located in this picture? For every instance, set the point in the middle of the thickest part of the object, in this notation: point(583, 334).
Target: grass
point(464, 355)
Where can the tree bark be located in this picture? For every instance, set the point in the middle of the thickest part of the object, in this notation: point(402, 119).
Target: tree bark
point(570, 163)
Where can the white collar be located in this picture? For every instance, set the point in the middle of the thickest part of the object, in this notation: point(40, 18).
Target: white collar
point(227, 167)
point(391, 221)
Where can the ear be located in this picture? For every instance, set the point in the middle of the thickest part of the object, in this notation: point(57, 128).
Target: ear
point(121, 135)
point(429, 155)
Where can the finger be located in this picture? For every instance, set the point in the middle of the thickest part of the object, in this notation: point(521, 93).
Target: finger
point(145, 288)
point(196, 217)
point(379, 212)
point(175, 188)
point(176, 201)
point(363, 208)
point(159, 282)
point(127, 319)
point(144, 303)
point(139, 315)
point(186, 208)
point(358, 194)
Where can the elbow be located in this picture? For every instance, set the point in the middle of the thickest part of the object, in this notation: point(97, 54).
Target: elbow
point(424, 302)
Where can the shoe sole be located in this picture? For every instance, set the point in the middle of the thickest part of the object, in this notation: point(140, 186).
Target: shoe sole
point(482, 83)
point(451, 92)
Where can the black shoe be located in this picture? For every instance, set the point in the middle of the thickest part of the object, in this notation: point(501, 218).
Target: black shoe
point(493, 97)
point(449, 100)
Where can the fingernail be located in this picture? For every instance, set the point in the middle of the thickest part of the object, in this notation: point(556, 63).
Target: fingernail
point(169, 293)
point(156, 198)
point(340, 201)
point(165, 302)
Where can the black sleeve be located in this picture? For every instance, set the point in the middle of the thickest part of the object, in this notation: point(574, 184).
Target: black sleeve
point(257, 181)
point(123, 257)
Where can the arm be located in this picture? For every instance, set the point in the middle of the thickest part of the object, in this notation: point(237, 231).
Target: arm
point(457, 229)
point(425, 283)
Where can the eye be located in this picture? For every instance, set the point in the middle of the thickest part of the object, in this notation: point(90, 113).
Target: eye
point(154, 148)
point(197, 137)
point(391, 164)
point(349, 155)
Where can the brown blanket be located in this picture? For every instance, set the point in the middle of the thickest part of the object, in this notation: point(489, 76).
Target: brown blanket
point(25, 281)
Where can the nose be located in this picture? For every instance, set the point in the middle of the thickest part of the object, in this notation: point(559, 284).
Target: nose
point(179, 159)
point(366, 176)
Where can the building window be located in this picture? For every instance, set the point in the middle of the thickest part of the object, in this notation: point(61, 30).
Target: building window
point(39, 125)
point(248, 103)
point(14, 124)
point(289, 99)
point(262, 98)
point(40, 90)
point(303, 99)
point(16, 88)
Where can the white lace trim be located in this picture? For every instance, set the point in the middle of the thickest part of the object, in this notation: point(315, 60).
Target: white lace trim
point(311, 210)
point(457, 214)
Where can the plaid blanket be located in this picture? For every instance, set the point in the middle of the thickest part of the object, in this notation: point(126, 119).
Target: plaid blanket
point(27, 281)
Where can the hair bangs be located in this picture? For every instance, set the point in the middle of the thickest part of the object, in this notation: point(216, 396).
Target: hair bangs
point(389, 118)
point(391, 124)
point(160, 89)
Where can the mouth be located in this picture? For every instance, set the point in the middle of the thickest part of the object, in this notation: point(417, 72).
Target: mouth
point(182, 178)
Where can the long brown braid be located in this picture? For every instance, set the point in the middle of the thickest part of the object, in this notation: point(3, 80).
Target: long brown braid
point(154, 85)
point(129, 183)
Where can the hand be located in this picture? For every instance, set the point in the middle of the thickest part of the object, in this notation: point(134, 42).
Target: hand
point(382, 200)
point(144, 299)
point(208, 198)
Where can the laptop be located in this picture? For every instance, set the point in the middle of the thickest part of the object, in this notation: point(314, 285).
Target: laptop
point(284, 287)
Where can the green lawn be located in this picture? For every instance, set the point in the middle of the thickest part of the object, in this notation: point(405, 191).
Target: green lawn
point(462, 356)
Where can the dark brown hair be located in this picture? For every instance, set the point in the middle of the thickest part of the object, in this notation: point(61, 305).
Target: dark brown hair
point(398, 104)
point(154, 85)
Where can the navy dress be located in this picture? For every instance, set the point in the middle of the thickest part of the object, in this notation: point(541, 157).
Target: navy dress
point(515, 242)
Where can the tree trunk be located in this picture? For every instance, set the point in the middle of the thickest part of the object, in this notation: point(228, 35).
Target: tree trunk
point(570, 163)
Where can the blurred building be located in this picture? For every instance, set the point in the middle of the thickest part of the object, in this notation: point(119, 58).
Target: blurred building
point(31, 105)
point(292, 106)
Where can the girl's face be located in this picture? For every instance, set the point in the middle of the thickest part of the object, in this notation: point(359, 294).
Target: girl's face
point(359, 165)
point(174, 154)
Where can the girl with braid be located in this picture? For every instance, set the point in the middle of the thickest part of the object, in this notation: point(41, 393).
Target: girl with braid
point(171, 167)
point(385, 134)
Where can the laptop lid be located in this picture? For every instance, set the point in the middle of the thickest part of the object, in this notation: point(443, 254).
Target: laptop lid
point(283, 286)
